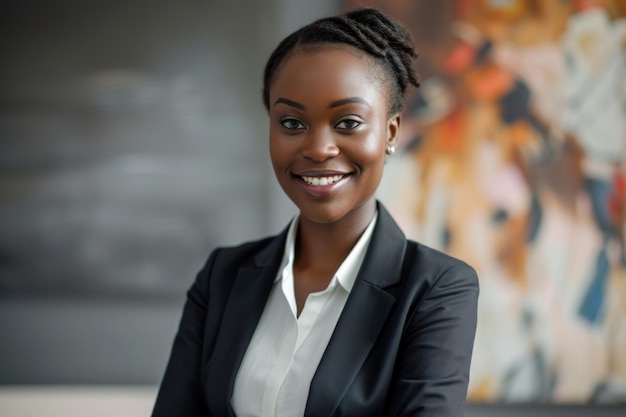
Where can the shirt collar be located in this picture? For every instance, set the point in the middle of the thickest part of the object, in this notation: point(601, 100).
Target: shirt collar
point(349, 268)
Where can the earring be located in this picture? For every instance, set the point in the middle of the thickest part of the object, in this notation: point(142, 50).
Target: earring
point(390, 149)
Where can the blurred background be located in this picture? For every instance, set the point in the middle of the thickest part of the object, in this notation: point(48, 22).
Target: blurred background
point(133, 141)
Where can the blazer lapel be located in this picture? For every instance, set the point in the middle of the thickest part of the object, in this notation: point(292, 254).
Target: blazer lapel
point(362, 319)
point(242, 313)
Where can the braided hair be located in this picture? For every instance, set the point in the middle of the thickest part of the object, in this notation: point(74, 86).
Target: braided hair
point(368, 30)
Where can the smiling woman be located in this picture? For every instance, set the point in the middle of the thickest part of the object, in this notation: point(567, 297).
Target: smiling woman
point(339, 315)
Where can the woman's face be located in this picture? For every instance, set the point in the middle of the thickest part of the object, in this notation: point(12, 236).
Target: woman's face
point(329, 130)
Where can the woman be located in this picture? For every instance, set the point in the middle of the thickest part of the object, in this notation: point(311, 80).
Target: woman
point(339, 315)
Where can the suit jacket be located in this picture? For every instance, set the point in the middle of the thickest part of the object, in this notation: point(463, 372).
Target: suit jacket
point(402, 345)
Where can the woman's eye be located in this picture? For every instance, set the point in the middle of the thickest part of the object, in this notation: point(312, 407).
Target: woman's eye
point(348, 124)
point(292, 124)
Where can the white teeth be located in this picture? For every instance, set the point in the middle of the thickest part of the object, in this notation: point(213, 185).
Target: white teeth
point(322, 180)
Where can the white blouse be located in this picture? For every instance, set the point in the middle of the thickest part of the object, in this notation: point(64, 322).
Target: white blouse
point(283, 355)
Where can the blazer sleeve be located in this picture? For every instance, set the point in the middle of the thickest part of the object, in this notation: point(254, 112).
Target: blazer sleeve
point(180, 393)
point(432, 372)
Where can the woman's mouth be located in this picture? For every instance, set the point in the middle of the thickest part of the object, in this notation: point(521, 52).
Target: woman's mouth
point(321, 181)
point(323, 185)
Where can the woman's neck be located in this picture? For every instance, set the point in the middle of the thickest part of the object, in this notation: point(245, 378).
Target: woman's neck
point(321, 248)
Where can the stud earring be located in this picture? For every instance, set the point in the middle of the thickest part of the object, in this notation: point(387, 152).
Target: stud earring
point(390, 149)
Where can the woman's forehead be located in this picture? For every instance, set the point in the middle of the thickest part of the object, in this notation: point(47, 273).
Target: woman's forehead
point(339, 68)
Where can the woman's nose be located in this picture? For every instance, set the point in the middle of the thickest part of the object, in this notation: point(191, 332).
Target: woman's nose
point(320, 146)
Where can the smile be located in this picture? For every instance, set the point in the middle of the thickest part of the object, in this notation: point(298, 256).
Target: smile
point(321, 181)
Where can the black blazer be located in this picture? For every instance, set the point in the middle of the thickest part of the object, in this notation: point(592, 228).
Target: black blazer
point(402, 345)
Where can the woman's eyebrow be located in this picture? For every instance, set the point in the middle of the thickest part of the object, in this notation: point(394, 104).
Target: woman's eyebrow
point(336, 103)
point(290, 103)
point(349, 100)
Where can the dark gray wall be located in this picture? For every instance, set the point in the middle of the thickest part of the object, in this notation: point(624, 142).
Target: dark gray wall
point(132, 141)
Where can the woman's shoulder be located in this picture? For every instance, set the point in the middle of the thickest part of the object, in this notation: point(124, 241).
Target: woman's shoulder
point(249, 245)
point(257, 250)
point(422, 265)
point(423, 258)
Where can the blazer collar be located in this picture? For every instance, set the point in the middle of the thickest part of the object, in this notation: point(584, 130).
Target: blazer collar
point(361, 321)
point(383, 261)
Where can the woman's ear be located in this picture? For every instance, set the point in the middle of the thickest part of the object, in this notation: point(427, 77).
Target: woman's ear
point(393, 132)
